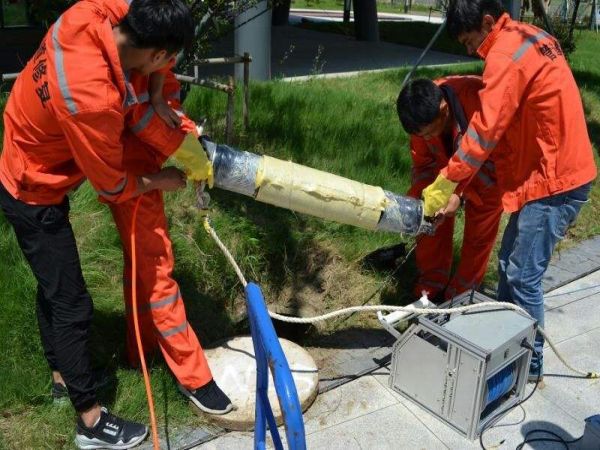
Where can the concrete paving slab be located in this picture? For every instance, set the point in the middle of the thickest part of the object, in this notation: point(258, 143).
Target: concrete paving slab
point(556, 276)
point(236, 440)
point(349, 354)
point(573, 319)
point(590, 248)
point(578, 397)
point(390, 428)
point(575, 291)
point(574, 261)
point(352, 400)
point(537, 412)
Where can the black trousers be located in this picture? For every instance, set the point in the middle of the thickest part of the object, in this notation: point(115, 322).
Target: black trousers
point(64, 306)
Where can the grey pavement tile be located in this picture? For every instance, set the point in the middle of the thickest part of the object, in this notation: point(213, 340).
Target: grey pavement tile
point(590, 248)
point(357, 398)
point(234, 440)
point(573, 319)
point(575, 261)
point(577, 290)
point(556, 276)
point(578, 397)
point(390, 428)
point(537, 412)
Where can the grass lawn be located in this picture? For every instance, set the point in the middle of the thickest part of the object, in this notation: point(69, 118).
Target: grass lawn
point(14, 13)
point(345, 126)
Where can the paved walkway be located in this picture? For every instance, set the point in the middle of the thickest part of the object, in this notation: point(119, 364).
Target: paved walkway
point(299, 52)
point(366, 413)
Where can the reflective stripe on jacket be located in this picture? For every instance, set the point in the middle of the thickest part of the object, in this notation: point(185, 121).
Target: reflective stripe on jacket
point(65, 114)
point(429, 156)
point(531, 101)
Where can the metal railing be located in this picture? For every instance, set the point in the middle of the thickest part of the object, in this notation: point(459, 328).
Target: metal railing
point(229, 88)
point(269, 354)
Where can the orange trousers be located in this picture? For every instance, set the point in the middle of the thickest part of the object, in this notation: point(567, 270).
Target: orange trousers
point(146, 145)
point(434, 253)
point(161, 311)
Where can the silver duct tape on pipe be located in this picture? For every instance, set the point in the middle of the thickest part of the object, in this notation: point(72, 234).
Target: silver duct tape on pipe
point(404, 214)
point(250, 174)
point(234, 170)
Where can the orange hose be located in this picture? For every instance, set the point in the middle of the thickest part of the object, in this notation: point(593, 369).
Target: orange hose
point(137, 329)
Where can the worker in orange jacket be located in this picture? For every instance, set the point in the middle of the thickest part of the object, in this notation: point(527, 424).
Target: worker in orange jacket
point(436, 115)
point(545, 166)
point(64, 122)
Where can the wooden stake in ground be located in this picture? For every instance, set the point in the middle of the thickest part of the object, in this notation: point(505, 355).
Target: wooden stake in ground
point(230, 107)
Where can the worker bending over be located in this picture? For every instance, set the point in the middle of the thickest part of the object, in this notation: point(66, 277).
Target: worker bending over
point(436, 114)
point(65, 120)
point(545, 166)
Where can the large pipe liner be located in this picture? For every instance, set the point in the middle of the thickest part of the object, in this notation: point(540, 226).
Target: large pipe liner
point(314, 192)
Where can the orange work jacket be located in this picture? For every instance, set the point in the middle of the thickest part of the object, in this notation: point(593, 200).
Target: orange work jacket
point(531, 101)
point(429, 156)
point(65, 115)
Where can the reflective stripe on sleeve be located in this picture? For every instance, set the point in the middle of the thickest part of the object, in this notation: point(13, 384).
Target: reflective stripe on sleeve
point(60, 69)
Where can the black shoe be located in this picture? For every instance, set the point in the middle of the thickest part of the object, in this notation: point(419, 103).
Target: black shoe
point(209, 398)
point(59, 393)
point(385, 258)
point(110, 432)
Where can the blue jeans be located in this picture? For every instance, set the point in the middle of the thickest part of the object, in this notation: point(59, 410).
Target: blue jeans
point(527, 245)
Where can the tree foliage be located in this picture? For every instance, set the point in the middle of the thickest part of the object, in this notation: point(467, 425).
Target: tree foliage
point(214, 18)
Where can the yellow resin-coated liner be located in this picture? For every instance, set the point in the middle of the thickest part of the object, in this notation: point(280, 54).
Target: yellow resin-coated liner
point(310, 191)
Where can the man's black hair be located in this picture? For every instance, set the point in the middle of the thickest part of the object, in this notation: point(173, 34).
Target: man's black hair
point(418, 104)
point(160, 24)
point(464, 16)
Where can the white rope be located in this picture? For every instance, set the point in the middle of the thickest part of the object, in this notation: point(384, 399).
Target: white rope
point(210, 230)
point(374, 308)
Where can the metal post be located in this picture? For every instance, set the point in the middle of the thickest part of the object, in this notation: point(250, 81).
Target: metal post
point(246, 91)
point(594, 16)
point(366, 23)
point(253, 35)
point(347, 7)
point(514, 8)
point(230, 106)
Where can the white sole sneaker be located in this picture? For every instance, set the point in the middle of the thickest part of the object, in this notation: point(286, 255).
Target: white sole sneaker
point(85, 443)
point(200, 406)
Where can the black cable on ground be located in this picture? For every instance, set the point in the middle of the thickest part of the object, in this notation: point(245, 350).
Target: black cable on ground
point(558, 439)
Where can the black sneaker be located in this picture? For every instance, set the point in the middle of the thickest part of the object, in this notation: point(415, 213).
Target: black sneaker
point(59, 393)
point(110, 432)
point(209, 398)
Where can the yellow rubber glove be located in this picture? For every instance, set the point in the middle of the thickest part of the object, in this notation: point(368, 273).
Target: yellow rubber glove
point(196, 164)
point(437, 195)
